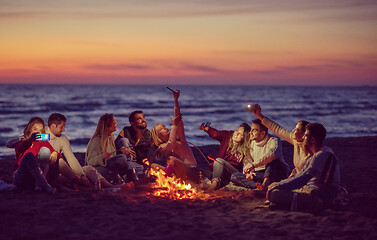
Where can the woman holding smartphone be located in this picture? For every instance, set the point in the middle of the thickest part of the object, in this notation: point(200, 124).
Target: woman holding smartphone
point(33, 150)
point(35, 159)
point(173, 146)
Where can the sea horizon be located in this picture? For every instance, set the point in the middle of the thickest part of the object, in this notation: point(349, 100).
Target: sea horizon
point(346, 111)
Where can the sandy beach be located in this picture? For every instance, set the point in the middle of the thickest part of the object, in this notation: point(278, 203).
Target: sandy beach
point(224, 214)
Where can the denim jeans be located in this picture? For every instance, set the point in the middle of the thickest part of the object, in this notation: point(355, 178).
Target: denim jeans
point(22, 177)
point(218, 170)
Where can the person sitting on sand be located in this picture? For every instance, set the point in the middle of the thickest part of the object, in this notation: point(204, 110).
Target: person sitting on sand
point(267, 164)
point(174, 147)
point(33, 156)
point(233, 153)
point(56, 125)
point(135, 138)
point(294, 137)
point(316, 184)
point(50, 161)
point(101, 153)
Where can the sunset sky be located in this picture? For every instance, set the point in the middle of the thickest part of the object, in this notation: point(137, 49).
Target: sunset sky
point(269, 42)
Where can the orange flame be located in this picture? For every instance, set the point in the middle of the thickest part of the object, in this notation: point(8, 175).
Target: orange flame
point(171, 187)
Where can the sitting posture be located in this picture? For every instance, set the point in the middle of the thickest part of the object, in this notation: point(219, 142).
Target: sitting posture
point(172, 145)
point(33, 156)
point(54, 168)
point(295, 138)
point(135, 140)
point(87, 174)
point(317, 183)
point(267, 164)
point(232, 155)
point(101, 153)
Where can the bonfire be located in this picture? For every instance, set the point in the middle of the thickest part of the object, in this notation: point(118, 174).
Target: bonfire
point(171, 187)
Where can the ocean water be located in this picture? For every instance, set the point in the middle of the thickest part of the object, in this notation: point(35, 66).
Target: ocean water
point(345, 111)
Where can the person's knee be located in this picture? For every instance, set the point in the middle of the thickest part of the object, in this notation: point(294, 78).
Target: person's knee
point(44, 154)
point(123, 142)
point(174, 161)
point(30, 161)
point(29, 155)
point(237, 177)
point(120, 160)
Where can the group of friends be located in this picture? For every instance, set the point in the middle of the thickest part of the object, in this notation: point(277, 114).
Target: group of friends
point(249, 157)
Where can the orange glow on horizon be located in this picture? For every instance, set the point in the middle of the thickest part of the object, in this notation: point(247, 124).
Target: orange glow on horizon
point(242, 43)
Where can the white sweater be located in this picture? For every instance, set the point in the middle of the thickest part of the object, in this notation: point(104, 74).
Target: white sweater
point(264, 152)
point(62, 144)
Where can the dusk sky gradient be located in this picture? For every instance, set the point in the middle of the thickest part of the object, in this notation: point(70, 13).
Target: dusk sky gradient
point(287, 42)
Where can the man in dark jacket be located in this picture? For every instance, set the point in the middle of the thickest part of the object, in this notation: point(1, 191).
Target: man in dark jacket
point(136, 138)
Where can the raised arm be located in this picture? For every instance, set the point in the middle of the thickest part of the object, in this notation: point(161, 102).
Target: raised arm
point(176, 94)
point(213, 132)
point(167, 148)
point(178, 115)
point(274, 127)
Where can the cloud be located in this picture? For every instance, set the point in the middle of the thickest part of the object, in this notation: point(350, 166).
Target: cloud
point(18, 71)
point(199, 68)
point(325, 66)
point(172, 67)
point(167, 8)
point(117, 67)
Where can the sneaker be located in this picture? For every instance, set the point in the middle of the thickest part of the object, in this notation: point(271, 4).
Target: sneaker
point(215, 184)
point(117, 180)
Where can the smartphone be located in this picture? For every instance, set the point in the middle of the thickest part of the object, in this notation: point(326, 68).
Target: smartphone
point(43, 137)
point(250, 107)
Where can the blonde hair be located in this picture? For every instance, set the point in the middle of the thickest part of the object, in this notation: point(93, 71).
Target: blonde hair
point(240, 150)
point(154, 134)
point(105, 121)
point(30, 124)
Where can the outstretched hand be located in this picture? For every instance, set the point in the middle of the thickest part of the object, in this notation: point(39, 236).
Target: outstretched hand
point(256, 109)
point(205, 126)
point(176, 93)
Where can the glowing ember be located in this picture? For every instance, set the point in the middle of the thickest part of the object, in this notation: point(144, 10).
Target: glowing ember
point(171, 187)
